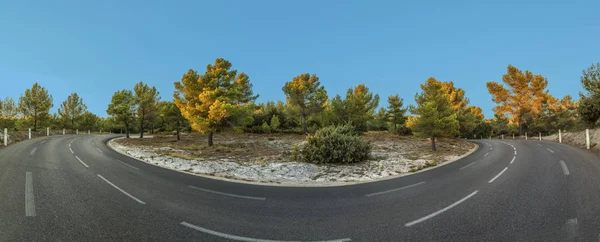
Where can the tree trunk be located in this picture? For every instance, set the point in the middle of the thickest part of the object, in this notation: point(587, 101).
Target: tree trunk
point(178, 138)
point(142, 127)
point(127, 130)
point(433, 143)
point(304, 124)
point(152, 129)
point(34, 123)
point(210, 138)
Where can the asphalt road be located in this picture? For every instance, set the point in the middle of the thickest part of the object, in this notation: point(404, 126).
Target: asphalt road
point(66, 188)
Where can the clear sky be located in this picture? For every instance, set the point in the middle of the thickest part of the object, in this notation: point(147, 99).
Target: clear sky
point(97, 47)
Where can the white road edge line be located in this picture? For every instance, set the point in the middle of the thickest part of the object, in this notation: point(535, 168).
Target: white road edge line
point(33, 151)
point(121, 190)
point(127, 164)
point(496, 177)
point(551, 151)
point(441, 210)
point(486, 154)
point(564, 168)
point(241, 238)
point(513, 159)
point(29, 200)
point(393, 190)
point(227, 194)
point(71, 150)
point(80, 161)
point(467, 165)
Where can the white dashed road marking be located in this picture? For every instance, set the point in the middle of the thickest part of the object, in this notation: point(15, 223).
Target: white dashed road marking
point(499, 174)
point(241, 238)
point(29, 200)
point(551, 151)
point(121, 190)
point(227, 194)
point(80, 161)
point(127, 164)
point(564, 168)
point(33, 151)
point(393, 190)
point(467, 165)
point(513, 159)
point(441, 210)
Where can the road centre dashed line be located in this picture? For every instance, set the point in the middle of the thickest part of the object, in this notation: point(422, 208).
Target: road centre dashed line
point(513, 159)
point(80, 161)
point(551, 151)
point(227, 194)
point(393, 190)
point(127, 164)
point(29, 198)
point(33, 151)
point(99, 150)
point(564, 167)
point(121, 190)
point(441, 210)
point(499, 174)
point(467, 165)
point(241, 238)
point(71, 151)
point(486, 154)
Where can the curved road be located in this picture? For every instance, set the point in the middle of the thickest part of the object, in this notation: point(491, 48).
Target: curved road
point(76, 188)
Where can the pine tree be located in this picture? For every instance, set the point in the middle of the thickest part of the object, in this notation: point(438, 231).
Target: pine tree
point(436, 116)
point(72, 109)
point(305, 95)
point(35, 104)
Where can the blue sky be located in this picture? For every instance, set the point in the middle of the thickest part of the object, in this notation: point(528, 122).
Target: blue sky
point(97, 47)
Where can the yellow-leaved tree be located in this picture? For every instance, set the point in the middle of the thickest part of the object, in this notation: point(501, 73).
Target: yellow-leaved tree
point(219, 99)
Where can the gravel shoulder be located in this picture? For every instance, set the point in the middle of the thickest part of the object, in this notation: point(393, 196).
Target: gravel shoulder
point(266, 159)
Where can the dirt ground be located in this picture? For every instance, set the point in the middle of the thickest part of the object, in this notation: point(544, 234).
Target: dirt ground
point(251, 149)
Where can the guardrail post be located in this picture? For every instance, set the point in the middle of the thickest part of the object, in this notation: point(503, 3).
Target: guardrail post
point(502, 136)
point(47, 131)
point(77, 131)
point(63, 131)
point(88, 131)
point(540, 136)
point(525, 135)
point(559, 136)
point(513, 135)
point(587, 138)
point(5, 137)
point(29, 133)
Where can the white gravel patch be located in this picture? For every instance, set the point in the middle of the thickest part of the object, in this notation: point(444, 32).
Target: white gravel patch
point(390, 165)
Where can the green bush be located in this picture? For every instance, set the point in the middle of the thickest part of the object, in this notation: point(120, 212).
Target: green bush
point(335, 144)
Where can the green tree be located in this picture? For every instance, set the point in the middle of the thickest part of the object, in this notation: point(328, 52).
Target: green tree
point(435, 115)
point(146, 99)
point(589, 102)
point(35, 104)
point(396, 112)
point(360, 106)
point(219, 99)
point(72, 109)
point(336, 111)
point(122, 108)
point(88, 121)
point(380, 120)
point(306, 96)
point(275, 122)
point(8, 113)
point(172, 117)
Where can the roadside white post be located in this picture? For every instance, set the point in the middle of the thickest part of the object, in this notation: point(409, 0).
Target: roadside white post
point(559, 136)
point(29, 133)
point(587, 138)
point(540, 136)
point(525, 135)
point(88, 131)
point(63, 131)
point(77, 131)
point(5, 137)
point(513, 135)
point(47, 131)
point(502, 136)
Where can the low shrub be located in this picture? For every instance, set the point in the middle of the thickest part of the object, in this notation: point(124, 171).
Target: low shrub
point(335, 144)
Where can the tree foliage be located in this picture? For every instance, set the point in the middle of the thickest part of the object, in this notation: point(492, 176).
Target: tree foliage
point(171, 116)
point(360, 106)
point(589, 102)
point(72, 109)
point(396, 111)
point(146, 99)
point(122, 109)
point(305, 95)
point(435, 115)
point(219, 99)
point(35, 104)
point(522, 98)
